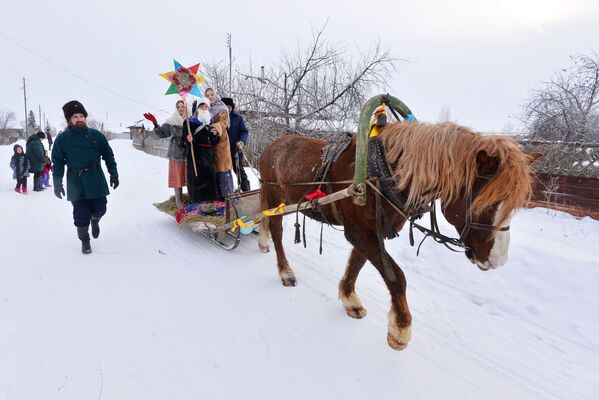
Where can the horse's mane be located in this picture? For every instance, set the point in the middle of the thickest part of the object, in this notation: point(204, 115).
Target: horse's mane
point(439, 160)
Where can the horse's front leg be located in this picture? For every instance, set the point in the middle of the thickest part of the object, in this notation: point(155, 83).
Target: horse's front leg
point(285, 272)
point(399, 331)
point(347, 285)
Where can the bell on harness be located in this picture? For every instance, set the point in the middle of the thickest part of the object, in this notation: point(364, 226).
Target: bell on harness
point(379, 121)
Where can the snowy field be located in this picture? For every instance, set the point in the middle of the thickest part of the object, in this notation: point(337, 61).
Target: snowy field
point(157, 312)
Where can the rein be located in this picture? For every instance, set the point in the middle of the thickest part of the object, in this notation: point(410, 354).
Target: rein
point(447, 241)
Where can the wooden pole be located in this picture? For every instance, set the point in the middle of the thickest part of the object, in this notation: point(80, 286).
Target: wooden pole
point(341, 194)
point(25, 99)
point(193, 156)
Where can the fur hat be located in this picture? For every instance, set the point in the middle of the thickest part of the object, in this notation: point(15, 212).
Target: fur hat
point(204, 100)
point(41, 135)
point(229, 102)
point(73, 107)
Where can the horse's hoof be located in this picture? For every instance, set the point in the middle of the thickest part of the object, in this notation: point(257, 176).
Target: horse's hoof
point(264, 249)
point(356, 312)
point(395, 344)
point(289, 281)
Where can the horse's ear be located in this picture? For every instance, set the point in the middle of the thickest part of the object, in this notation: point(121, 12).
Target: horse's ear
point(487, 165)
point(535, 155)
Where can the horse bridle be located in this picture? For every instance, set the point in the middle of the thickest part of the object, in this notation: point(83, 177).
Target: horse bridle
point(447, 241)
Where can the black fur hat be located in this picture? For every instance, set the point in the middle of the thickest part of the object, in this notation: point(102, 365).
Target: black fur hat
point(41, 135)
point(73, 107)
point(229, 102)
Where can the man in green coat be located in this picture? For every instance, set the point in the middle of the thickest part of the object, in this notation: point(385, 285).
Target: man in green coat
point(37, 158)
point(80, 149)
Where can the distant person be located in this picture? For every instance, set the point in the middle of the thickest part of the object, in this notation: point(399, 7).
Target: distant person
point(80, 149)
point(238, 139)
point(45, 178)
point(19, 163)
point(177, 152)
point(49, 137)
point(37, 160)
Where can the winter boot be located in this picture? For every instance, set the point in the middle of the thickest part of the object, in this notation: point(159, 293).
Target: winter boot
point(25, 189)
point(83, 233)
point(18, 190)
point(95, 227)
point(179, 197)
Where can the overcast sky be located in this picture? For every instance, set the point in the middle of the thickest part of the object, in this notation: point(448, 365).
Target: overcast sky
point(480, 59)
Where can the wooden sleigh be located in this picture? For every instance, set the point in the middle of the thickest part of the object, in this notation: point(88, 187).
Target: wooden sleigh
point(243, 210)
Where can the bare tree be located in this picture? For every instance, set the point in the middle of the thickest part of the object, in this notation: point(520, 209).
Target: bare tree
point(444, 114)
point(6, 119)
point(319, 87)
point(567, 107)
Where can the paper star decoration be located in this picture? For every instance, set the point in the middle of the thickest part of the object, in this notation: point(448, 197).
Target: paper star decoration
point(184, 80)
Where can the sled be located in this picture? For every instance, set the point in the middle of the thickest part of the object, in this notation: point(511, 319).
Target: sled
point(243, 211)
point(220, 229)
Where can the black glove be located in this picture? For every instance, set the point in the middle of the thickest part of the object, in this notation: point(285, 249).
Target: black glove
point(114, 182)
point(59, 191)
point(194, 107)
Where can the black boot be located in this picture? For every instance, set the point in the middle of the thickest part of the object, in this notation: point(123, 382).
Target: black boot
point(82, 232)
point(95, 227)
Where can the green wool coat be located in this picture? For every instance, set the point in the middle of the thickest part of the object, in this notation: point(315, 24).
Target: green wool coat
point(80, 151)
point(35, 152)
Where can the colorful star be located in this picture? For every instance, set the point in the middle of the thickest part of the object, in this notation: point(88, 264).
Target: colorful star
point(184, 80)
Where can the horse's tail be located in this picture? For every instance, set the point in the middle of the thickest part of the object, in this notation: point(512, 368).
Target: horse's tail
point(264, 224)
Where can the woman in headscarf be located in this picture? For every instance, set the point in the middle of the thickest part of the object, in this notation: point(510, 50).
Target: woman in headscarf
point(177, 152)
point(216, 104)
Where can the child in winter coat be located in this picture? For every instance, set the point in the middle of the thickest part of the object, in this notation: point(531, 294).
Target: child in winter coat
point(20, 166)
point(45, 179)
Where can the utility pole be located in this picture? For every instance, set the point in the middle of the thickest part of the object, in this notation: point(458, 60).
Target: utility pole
point(40, 115)
point(230, 61)
point(25, 98)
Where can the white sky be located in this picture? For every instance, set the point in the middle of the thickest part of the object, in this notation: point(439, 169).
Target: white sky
point(478, 58)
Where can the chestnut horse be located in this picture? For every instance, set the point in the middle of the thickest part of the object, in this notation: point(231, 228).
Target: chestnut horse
point(477, 178)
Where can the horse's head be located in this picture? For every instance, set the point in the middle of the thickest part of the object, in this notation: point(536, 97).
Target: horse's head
point(480, 181)
point(481, 214)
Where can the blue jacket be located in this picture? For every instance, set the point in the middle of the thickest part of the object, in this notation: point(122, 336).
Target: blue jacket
point(237, 131)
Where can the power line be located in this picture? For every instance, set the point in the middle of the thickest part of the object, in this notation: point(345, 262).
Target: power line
point(79, 76)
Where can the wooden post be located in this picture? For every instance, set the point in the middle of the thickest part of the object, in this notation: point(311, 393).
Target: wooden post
point(193, 157)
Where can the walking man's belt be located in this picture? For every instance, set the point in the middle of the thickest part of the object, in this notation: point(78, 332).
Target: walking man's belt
point(82, 170)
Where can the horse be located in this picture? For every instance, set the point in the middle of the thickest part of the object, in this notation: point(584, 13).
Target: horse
point(479, 180)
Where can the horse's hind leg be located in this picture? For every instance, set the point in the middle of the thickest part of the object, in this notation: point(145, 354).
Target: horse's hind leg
point(347, 285)
point(285, 272)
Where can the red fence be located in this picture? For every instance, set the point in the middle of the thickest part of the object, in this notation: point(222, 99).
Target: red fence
point(573, 194)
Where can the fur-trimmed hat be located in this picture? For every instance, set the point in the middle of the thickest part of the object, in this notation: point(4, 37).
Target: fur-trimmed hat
point(41, 135)
point(229, 102)
point(204, 100)
point(73, 107)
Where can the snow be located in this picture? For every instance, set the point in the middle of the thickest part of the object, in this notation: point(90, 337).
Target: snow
point(157, 312)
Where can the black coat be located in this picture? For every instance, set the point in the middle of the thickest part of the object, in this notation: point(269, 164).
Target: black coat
point(35, 153)
point(202, 187)
point(237, 132)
